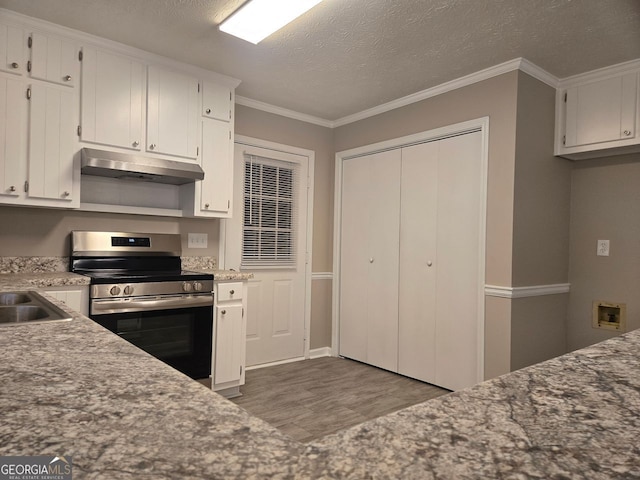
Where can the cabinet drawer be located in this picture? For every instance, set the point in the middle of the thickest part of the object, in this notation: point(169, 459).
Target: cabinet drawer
point(229, 291)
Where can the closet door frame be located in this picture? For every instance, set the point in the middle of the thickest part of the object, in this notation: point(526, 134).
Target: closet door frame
point(477, 125)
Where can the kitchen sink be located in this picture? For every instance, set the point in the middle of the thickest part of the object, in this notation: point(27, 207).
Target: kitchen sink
point(20, 308)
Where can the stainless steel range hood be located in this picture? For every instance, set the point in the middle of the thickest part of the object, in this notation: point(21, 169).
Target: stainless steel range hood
point(136, 167)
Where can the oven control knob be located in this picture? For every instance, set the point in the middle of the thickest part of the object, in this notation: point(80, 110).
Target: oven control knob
point(186, 287)
point(197, 286)
point(115, 290)
point(128, 290)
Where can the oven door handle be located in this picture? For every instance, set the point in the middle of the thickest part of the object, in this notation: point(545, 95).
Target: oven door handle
point(141, 304)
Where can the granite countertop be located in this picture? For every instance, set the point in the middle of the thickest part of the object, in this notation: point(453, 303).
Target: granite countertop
point(76, 389)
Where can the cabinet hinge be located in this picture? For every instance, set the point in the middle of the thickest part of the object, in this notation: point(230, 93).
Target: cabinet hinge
point(197, 151)
point(80, 55)
point(198, 88)
point(30, 42)
point(28, 94)
point(229, 134)
point(229, 206)
point(26, 185)
point(79, 130)
point(565, 97)
point(230, 94)
point(229, 116)
point(242, 312)
point(240, 369)
point(29, 66)
point(564, 139)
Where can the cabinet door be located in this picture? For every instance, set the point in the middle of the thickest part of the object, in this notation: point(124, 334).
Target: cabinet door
point(13, 128)
point(53, 59)
point(111, 102)
point(601, 111)
point(51, 140)
point(216, 101)
point(217, 163)
point(228, 361)
point(172, 113)
point(369, 259)
point(76, 299)
point(12, 49)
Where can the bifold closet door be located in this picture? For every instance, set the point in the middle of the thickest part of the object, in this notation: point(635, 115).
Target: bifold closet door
point(369, 259)
point(439, 261)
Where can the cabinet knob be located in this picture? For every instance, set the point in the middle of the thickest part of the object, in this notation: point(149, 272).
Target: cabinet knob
point(135, 143)
point(231, 292)
point(67, 78)
point(206, 205)
point(65, 194)
point(429, 263)
point(152, 146)
point(208, 110)
point(223, 312)
point(14, 65)
point(12, 188)
point(371, 260)
point(627, 132)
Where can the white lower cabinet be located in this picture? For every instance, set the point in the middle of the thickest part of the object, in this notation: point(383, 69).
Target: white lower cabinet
point(410, 260)
point(228, 360)
point(76, 298)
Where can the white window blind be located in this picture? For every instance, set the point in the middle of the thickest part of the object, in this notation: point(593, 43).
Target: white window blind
point(270, 213)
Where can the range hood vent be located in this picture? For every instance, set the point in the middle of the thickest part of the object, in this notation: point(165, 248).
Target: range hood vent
point(136, 167)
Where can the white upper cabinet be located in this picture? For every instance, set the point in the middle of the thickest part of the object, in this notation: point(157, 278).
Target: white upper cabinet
point(51, 143)
point(172, 113)
point(216, 101)
point(598, 116)
point(53, 59)
point(112, 99)
point(12, 51)
point(13, 131)
point(214, 192)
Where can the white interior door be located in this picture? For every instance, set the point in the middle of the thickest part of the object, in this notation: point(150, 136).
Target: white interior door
point(267, 236)
point(369, 259)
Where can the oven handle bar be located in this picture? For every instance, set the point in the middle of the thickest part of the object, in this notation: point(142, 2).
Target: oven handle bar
point(142, 304)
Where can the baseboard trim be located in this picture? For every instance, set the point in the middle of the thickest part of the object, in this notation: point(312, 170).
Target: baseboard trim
point(320, 352)
point(522, 292)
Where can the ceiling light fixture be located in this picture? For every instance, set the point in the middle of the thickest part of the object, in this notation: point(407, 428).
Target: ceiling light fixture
point(257, 19)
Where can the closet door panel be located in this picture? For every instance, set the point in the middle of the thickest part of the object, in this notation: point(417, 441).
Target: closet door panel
point(354, 266)
point(384, 246)
point(458, 231)
point(418, 262)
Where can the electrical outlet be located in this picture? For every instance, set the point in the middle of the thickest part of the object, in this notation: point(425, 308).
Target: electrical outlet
point(603, 248)
point(198, 240)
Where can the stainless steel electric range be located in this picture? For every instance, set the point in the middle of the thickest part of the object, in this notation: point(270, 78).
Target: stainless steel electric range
point(139, 291)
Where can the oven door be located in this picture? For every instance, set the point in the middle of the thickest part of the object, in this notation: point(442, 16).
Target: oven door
point(180, 337)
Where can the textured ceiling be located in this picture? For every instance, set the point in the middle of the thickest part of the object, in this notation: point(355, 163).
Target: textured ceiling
point(345, 56)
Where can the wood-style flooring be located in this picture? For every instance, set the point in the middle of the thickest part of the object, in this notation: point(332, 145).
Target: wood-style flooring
point(313, 398)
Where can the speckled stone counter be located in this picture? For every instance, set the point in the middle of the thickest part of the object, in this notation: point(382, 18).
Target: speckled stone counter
point(22, 281)
point(77, 389)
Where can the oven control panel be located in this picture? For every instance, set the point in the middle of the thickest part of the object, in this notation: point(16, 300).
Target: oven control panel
point(151, 288)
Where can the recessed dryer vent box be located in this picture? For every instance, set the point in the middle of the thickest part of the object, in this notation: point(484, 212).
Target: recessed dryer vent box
point(610, 316)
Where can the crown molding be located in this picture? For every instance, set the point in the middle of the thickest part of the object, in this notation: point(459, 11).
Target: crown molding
point(522, 292)
point(618, 69)
point(515, 64)
point(283, 112)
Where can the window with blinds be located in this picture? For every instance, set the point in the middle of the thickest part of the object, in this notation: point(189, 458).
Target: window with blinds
point(269, 226)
